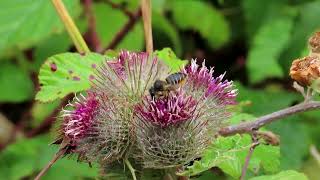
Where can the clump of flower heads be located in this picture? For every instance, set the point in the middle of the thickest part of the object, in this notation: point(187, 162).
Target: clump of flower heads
point(118, 118)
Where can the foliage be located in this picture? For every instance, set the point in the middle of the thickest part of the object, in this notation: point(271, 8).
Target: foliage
point(134, 39)
point(22, 32)
point(287, 175)
point(208, 28)
point(28, 156)
point(228, 153)
point(19, 91)
point(71, 72)
point(67, 73)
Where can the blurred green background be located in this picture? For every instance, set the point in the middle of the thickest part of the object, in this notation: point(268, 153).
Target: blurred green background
point(253, 41)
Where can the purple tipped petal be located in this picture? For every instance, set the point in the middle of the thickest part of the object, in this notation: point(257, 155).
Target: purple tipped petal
point(201, 78)
point(127, 58)
point(167, 111)
point(79, 120)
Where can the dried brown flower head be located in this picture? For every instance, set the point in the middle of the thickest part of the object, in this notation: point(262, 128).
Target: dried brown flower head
point(305, 70)
point(314, 43)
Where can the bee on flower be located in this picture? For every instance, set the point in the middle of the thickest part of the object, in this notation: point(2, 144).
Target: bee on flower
point(138, 108)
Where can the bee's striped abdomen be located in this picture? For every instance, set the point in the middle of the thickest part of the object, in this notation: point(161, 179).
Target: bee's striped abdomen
point(175, 78)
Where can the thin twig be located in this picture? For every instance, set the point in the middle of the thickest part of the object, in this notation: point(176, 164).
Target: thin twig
point(92, 36)
point(131, 169)
point(248, 127)
point(118, 6)
point(147, 25)
point(59, 154)
point(122, 33)
point(71, 27)
point(255, 143)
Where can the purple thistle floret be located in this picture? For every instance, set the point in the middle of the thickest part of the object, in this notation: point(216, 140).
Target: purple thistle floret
point(127, 59)
point(164, 112)
point(214, 87)
point(78, 120)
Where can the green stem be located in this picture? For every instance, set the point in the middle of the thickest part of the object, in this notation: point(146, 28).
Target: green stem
point(131, 169)
point(71, 27)
point(147, 24)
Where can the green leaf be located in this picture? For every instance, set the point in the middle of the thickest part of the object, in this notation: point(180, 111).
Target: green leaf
point(268, 43)
point(18, 160)
point(110, 21)
point(40, 111)
point(306, 23)
point(240, 117)
point(256, 13)
point(316, 85)
point(170, 59)
point(292, 130)
point(27, 156)
point(57, 43)
point(20, 28)
point(213, 27)
point(272, 98)
point(16, 85)
point(66, 73)
point(163, 29)
point(229, 153)
point(71, 72)
point(284, 175)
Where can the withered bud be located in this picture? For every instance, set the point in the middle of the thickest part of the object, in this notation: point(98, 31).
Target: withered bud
point(305, 70)
point(314, 43)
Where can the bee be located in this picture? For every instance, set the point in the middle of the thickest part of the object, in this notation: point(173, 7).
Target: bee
point(162, 88)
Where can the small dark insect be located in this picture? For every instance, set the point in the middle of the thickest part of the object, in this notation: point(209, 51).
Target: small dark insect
point(172, 82)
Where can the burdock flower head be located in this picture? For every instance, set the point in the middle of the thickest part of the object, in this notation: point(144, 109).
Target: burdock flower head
point(138, 108)
point(99, 126)
point(175, 129)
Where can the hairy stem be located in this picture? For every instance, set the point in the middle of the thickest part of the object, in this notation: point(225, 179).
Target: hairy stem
point(71, 27)
point(131, 169)
point(248, 127)
point(146, 16)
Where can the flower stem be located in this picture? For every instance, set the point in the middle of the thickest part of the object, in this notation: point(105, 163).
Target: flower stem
point(59, 154)
point(254, 144)
point(131, 169)
point(146, 16)
point(71, 27)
